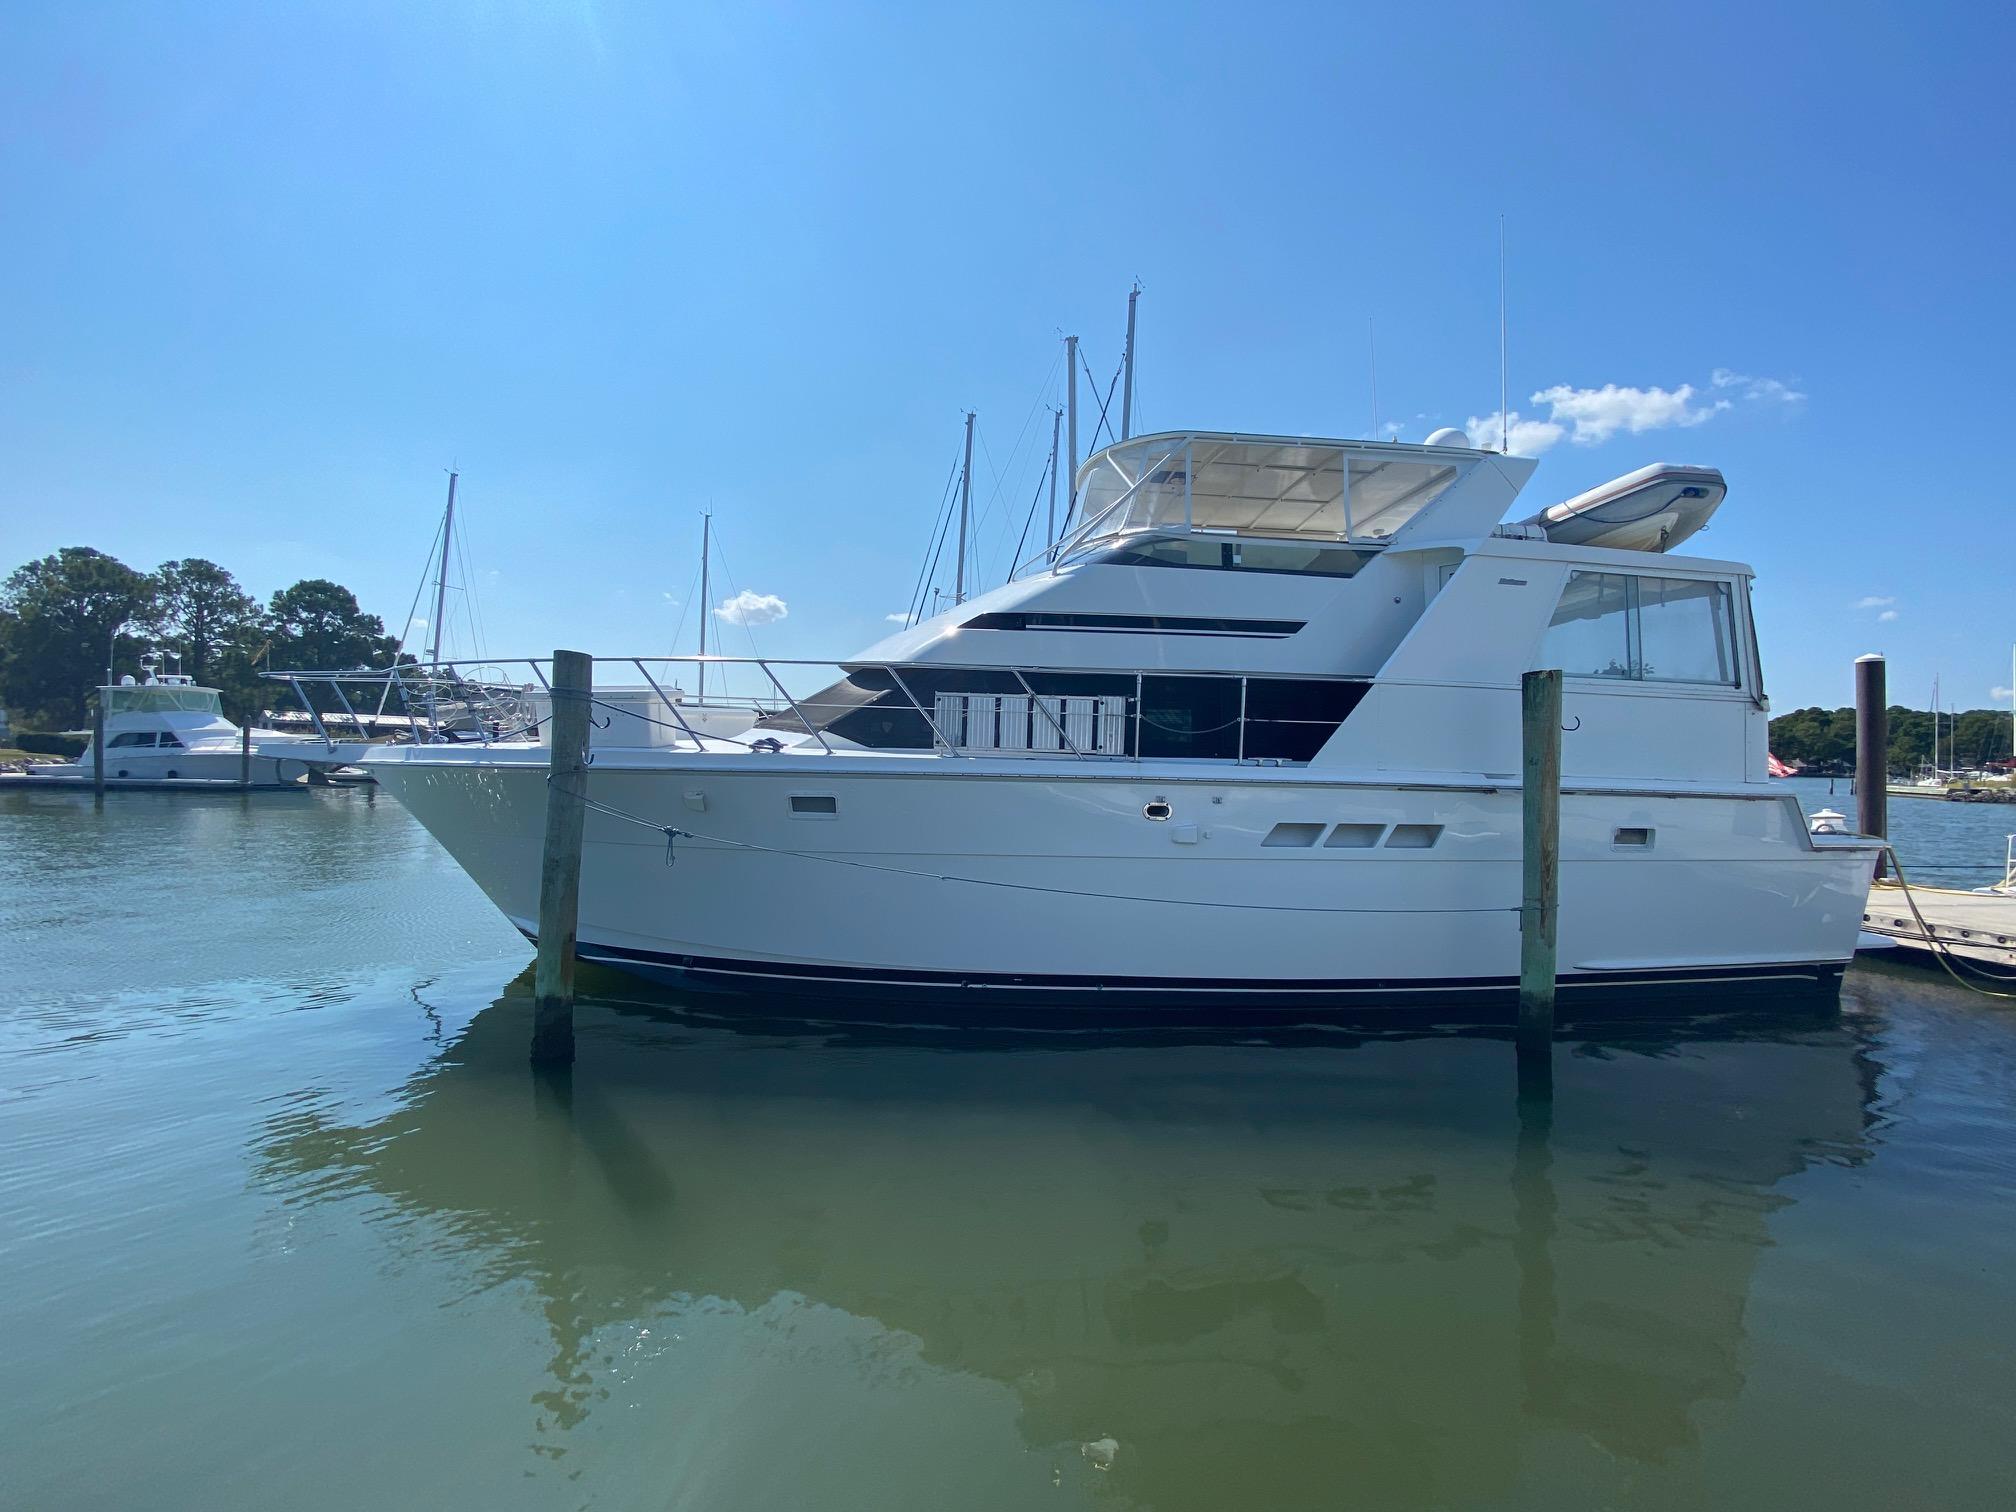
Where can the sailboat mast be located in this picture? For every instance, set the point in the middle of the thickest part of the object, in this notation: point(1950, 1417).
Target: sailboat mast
point(1071, 401)
point(1127, 390)
point(706, 595)
point(1050, 539)
point(441, 578)
point(965, 510)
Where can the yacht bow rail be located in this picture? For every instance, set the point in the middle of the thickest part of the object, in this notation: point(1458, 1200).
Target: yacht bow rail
point(493, 702)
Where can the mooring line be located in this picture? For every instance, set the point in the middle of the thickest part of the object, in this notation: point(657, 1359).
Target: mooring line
point(1938, 947)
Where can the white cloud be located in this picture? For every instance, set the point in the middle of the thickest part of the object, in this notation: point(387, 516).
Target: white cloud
point(1886, 616)
point(668, 598)
point(747, 608)
point(1597, 414)
point(1591, 416)
point(1763, 390)
point(1523, 437)
point(897, 619)
point(1876, 601)
point(1999, 695)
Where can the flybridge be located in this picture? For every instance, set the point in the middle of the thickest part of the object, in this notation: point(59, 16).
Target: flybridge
point(1360, 493)
point(1281, 486)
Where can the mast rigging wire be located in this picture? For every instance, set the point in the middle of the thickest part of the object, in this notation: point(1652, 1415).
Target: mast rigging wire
point(929, 572)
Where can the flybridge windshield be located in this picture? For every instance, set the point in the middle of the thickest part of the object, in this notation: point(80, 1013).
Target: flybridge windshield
point(1256, 487)
point(145, 699)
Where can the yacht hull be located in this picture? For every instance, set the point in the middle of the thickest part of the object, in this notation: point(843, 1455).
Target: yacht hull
point(185, 766)
point(998, 882)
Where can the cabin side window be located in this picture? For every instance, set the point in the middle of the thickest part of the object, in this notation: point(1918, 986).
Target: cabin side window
point(1218, 552)
point(1643, 629)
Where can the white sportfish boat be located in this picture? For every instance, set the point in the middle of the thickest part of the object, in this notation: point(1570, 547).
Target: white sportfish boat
point(163, 728)
point(1249, 734)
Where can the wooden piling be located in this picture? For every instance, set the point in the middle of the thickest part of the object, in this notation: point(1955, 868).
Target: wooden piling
point(1540, 851)
point(560, 862)
point(1872, 747)
point(98, 747)
point(245, 757)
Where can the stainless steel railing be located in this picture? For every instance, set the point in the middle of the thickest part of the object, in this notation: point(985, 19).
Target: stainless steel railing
point(484, 701)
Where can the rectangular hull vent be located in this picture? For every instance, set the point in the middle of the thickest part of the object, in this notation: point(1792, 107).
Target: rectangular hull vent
point(1354, 836)
point(1294, 836)
point(1413, 836)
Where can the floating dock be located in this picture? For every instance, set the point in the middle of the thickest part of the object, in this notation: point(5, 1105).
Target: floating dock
point(1979, 927)
point(18, 782)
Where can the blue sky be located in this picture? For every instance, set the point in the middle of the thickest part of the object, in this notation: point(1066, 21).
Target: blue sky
point(268, 270)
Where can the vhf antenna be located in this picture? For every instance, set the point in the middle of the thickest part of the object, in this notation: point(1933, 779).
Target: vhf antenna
point(1504, 417)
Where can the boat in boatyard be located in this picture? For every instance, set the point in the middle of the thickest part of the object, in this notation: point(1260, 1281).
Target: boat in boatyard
point(1249, 734)
point(162, 729)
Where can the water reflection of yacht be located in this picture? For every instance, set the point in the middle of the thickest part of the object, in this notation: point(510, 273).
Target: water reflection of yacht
point(1263, 1273)
point(163, 728)
point(1251, 730)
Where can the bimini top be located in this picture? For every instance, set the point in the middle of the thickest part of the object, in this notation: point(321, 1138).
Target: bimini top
point(1293, 486)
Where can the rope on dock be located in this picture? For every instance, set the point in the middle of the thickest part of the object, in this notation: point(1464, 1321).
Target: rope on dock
point(672, 833)
point(1938, 947)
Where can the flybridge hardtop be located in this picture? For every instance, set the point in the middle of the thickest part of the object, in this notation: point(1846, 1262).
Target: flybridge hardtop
point(1365, 493)
point(1292, 486)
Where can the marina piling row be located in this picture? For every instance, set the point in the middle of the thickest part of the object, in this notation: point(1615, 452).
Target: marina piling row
point(1872, 748)
point(1540, 892)
point(560, 861)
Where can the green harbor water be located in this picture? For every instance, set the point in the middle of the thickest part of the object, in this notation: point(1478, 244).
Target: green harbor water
point(285, 1221)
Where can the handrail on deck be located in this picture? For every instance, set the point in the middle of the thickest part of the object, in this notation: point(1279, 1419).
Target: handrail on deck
point(492, 709)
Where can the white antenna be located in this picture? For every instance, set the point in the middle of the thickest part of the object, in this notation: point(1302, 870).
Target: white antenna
point(706, 592)
point(1372, 353)
point(1127, 390)
point(1504, 415)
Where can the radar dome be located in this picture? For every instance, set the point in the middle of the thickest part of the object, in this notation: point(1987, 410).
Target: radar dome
point(1449, 436)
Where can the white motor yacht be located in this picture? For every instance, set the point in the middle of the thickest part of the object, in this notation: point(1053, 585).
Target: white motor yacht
point(163, 728)
point(1250, 733)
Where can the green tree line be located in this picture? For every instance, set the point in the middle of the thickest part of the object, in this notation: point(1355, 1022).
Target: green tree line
point(61, 617)
point(1825, 738)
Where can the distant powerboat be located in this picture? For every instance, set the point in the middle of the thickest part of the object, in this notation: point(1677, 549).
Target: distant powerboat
point(163, 728)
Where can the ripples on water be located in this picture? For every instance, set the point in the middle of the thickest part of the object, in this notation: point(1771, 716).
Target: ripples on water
point(285, 1220)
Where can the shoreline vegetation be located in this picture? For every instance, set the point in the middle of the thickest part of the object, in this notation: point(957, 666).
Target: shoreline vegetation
point(64, 615)
point(1821, 742)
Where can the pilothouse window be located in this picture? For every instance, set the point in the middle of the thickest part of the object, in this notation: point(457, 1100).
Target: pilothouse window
point(1644, 629)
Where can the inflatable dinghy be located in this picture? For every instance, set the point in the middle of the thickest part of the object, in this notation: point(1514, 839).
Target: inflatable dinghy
point(1652, 509)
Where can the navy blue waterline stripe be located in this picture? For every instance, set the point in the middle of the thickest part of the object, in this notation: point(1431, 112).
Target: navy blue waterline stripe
point(617, 955)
